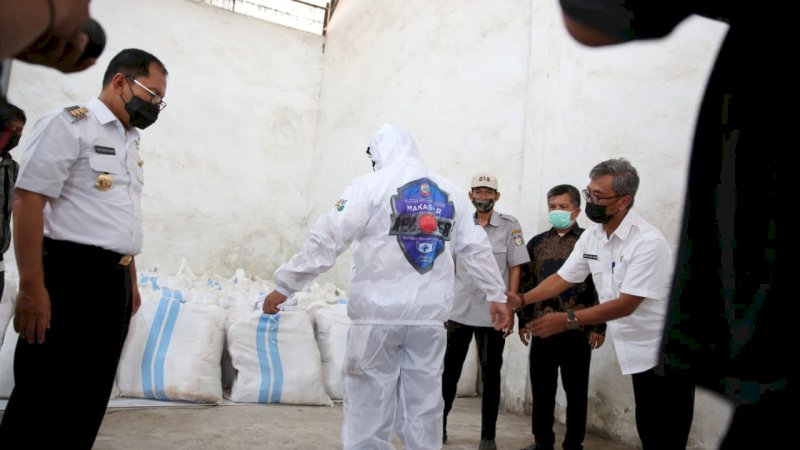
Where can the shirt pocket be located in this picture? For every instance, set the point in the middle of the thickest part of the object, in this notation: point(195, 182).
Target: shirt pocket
point(618, 274)
point(106, 164)
point(500, 252)
point(596, 268)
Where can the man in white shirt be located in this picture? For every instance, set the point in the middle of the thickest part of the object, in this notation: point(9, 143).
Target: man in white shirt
point(631, 265)
point(77, 216)
point(407, 222)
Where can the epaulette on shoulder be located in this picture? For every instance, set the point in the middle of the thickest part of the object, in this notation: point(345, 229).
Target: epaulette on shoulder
point(76, 113)
point(507, 217)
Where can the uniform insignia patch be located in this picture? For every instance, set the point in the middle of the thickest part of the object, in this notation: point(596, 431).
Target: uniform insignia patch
point(339, 205)
point(76, 113)
point(105, 150)
point(517, 239)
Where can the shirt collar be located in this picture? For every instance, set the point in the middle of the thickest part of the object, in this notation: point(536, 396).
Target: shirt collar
point(624, 228)
point(573, 229)
point(494, 219)
point(105, 116)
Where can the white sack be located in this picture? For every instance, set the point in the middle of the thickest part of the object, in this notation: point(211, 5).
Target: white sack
point(332, 324)
point(8, 300)
point(276, 360)
point(6, 311)
point(7, 362)
point(173, 352)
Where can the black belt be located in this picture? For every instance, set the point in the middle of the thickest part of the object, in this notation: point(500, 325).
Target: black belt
point(87, 252)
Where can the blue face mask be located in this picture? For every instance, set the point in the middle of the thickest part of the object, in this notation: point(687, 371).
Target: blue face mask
point(560, 219)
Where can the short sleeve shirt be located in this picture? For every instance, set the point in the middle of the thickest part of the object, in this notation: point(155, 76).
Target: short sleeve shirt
point(63, 160)
point(634, 260)
point(508, 246)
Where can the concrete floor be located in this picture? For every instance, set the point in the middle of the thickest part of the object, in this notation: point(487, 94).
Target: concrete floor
point(284, 427)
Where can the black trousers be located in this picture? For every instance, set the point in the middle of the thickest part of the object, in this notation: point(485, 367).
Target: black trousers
point(570, 352)
point(69, 377)
point(490, 355)
point(664, 410)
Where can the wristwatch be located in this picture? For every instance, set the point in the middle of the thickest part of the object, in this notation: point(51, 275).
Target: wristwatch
point(572, 321)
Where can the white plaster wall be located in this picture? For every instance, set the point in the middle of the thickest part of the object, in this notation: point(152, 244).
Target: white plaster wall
point(264, 130)
point(637, 101)
point(458, 88)
point(228, 162)
point(502, 87)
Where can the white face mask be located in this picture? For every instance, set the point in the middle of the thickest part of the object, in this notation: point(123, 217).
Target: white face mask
point(560, 219)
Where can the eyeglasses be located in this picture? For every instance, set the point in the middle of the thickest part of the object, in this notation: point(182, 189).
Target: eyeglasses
point(153, 96)
point(591, 198)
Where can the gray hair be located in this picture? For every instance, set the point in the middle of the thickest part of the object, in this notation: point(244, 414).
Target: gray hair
point(626, 179)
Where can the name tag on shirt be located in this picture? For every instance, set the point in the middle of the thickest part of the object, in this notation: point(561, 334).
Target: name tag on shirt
point(105, 150)
point(588, 256)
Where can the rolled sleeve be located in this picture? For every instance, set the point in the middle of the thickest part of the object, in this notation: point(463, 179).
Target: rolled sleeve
point(576, 268)
point(650, 272)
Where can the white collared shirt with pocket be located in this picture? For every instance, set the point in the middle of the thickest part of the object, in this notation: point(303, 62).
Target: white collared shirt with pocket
point(634, 260)
point(63, 160)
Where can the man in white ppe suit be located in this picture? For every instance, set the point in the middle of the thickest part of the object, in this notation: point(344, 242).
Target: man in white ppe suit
point(407, 222)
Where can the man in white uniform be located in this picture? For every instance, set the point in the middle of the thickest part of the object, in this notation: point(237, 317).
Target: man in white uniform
point(77, 226)
point(468, 317)
point(407, 222)
point(631, 265)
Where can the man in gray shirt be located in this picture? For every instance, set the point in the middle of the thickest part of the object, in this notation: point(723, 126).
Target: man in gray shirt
point(469, 316)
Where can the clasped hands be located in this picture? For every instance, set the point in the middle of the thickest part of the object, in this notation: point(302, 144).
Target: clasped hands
point(515, 300)
point(543, 327)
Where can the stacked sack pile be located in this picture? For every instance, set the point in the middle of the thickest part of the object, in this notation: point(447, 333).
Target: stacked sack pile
point(204, 339)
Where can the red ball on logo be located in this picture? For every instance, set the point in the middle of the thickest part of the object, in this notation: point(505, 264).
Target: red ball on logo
point(427, 223)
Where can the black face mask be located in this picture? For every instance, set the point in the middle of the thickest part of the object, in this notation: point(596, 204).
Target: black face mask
point(13, 141)
point(597, 213)
point(142, 113)
point(483, 205)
